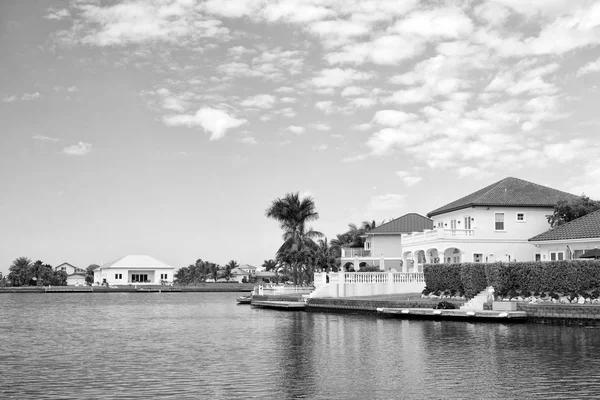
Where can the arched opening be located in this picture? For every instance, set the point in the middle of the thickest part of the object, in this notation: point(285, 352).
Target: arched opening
point(432, 255)
point(452, 255)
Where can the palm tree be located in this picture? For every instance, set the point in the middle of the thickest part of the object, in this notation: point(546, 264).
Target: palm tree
point(293, 214)
point(231, 265)
point(327, 256)
point(20, 271)
point(269, 265)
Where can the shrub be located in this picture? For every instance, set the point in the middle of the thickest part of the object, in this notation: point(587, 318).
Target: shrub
point(445, 305)
point(442, 277)
point(473, 278)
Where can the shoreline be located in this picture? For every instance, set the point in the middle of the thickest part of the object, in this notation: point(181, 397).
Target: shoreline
point(209, 287)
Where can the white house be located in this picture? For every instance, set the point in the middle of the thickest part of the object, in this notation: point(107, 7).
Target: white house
point(383, 244)
point(75, 275)
point(134, 269)
point(570, 240)
point(491, 224)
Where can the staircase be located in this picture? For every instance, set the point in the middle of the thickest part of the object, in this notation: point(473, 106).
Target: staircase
point(477, 302)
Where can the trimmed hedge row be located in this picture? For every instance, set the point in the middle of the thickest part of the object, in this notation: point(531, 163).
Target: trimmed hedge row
point(554, 276)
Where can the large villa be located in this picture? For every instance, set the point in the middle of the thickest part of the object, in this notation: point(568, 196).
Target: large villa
point(505, 221)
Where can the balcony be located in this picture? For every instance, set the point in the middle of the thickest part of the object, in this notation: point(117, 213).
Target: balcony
point(429, 235)
point(353, 252)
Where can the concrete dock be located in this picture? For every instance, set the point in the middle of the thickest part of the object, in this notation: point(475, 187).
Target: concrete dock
point(425, 313)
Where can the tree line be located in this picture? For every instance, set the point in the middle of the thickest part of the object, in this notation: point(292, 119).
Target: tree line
point(24, 272)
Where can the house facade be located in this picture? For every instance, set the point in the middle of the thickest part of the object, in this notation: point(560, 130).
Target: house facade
point(383, 244)
point(134, 269)
point(568, 241)
point(489, 225)
point(75, 275)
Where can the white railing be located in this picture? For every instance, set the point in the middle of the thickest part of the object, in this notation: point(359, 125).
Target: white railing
point(365, 277)
point(408, 277)
point(281, 289)
point(350, 252)
point(433, 234)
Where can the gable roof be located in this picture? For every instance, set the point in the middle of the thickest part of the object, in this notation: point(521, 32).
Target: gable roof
point(509, 192)
point(66, 263)
point(143, 261)
point(411, 222)
point(585, 227)
point(239, 271)
point(247, 266)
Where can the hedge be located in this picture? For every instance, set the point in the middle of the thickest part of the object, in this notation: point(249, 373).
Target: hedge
point(571, 276)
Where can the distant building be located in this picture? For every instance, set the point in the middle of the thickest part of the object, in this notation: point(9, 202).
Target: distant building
point(75, 275)
point(134, 269)
point(383, 244)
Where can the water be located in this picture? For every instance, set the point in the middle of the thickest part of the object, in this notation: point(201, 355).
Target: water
point(204, 345)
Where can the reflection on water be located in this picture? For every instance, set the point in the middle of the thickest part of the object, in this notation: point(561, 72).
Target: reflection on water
point(203, 345)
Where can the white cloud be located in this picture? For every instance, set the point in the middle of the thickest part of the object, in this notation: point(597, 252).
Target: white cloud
point(336, 77)
point(592, 66)
point(321, 147)
point(393, 117)
point(79, 149)
point(217, 122)
point(325, 106)
point(322, 127)
point(298, 130)
point(30, 96)
point(44, 138)
point(248, 140)
point(263, 101)
point(382, 205)
point(408, 178)
point(363, 102)
point(353, 91)
point(446, 22)
point(57, 14)
point(9, 99)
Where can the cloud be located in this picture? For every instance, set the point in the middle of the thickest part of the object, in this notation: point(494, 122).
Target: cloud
point(79, 149)
point(298, 130)
point(385, 204)
point(44, 138)
point(217, 122)
point(592, 66)
point(263, 101)
point(9, 99)
point(408, 178)
point(248, 140)
point(57, 14)
point(444, 22)
point(336, 77)
point(30, 96)
point(353, 91)
point(326, 106)
point(393, 117)
point(322, 127)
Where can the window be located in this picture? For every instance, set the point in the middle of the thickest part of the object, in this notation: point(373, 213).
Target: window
point(468, 222)
point(477, 257)
point(139, 277)
point(440, 224)
point(118, 276)
point(163, 276)
point(499, 221)
point(520, 217)
point(452, 224)
point(538, 257)
point(557, 256)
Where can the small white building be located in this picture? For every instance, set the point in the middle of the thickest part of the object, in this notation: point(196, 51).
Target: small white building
point(570, 240)
point(134, 269)
point(75, 275)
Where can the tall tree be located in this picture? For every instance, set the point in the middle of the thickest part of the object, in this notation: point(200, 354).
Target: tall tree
point(21, 271)
point(293, 214)
point(89, 273)
point(231, 265)
point(566, 211)
point(327, 256)
point(269, 265)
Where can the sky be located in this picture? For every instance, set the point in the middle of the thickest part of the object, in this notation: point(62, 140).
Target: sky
point(167, 127)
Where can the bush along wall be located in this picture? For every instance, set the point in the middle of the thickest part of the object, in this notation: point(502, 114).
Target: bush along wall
point(552, 279)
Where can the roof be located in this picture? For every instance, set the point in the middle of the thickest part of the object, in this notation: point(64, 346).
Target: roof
point(586, 227)
point(66, 263)
point(265, 274)
point(247, 266)
point(239, 271)
point(142, 261)
point(509, 192)
point(411, 222)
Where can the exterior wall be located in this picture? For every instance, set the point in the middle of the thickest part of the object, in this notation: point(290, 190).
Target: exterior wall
point(484, 227)
point(69, 269)
point(153, 275)
point(76, 280)
point(578, 247)
point(344, 284)
point(461, 244)
point(386, 245)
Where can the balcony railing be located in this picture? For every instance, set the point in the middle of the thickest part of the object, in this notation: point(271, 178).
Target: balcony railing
point(434, 234)
point(351, 252)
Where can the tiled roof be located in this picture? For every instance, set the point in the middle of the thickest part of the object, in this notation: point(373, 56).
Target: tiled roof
point(136, 261)
point(510, 192)
point(585, 227)
point(412, 222)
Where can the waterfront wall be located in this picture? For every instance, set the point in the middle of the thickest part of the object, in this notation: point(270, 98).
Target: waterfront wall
point(352, 284)
point(371, 306)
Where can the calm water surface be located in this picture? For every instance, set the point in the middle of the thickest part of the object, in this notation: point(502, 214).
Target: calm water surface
point(204, 345)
